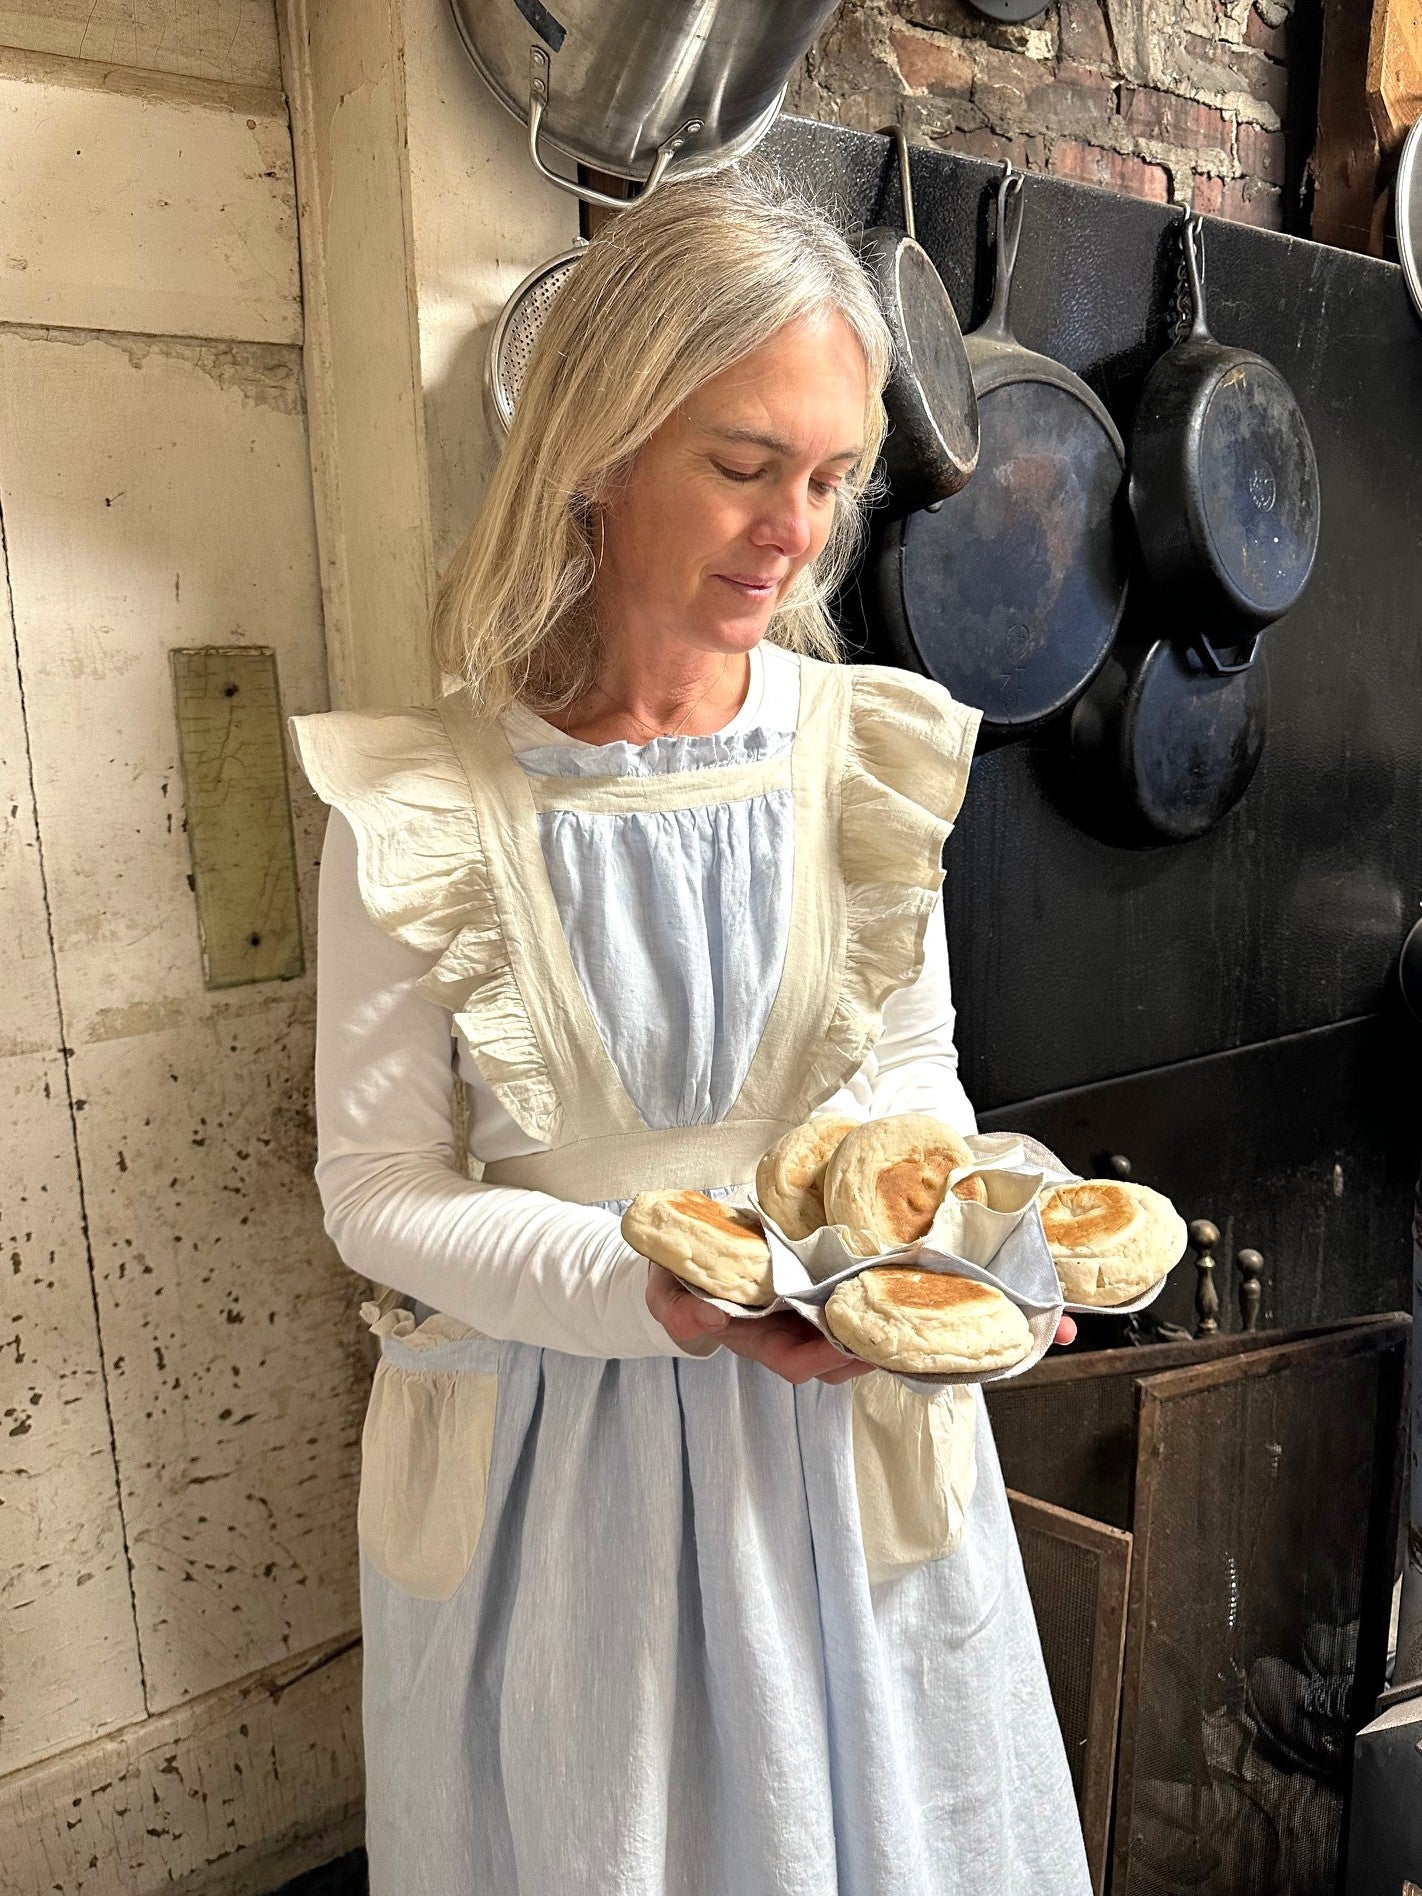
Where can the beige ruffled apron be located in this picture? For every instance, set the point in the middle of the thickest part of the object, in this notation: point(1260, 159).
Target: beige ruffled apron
point(877, 771)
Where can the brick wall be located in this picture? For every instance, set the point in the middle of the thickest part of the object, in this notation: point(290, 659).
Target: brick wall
point(1183, 101)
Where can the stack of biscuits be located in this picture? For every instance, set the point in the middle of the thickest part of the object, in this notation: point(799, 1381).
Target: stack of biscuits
point(882, 1183)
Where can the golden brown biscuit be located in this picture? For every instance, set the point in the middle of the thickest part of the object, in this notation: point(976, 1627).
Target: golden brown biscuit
point(719, 1248)
point(885, 1180)
point(1110, 1239)
point(927, 1323)
point(790, 1179)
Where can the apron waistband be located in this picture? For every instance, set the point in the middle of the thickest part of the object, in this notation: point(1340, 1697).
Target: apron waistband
point(621, 1164)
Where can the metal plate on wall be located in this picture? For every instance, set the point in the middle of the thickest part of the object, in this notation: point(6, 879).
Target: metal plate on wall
point(239, 818)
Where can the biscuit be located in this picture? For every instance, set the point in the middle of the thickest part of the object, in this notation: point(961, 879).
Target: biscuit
point(1110, 1239)
point(718, 1248)
point(932, 1323)
point(885, 1180)
point(790, 1179)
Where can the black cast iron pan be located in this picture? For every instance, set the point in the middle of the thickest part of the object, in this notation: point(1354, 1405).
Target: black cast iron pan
point(1011, 593)
point(932, 445)
point(1166, 740)
point(1224, 483)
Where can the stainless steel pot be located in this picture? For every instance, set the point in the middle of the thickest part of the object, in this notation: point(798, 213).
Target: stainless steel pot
point(635, 87)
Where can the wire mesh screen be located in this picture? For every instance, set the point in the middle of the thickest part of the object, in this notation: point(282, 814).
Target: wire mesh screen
point(1076, 1574)
point(518, 331)
point(1072, 1443)
point(1066, 1431)
point(1264, 1524)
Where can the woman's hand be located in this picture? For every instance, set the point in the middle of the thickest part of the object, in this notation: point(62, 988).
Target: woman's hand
point(783, 1343)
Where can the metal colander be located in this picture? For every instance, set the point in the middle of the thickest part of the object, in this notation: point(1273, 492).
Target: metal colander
point(516, 331)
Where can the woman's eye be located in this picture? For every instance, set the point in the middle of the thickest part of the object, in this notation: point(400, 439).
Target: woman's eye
point(823, 488)
point(735, 473)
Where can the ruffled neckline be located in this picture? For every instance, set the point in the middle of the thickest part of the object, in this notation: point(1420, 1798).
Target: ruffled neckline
point(660, 757)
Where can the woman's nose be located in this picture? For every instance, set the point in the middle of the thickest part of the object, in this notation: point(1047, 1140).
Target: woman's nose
point(786, 525)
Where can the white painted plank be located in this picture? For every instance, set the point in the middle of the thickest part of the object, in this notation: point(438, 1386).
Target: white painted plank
point(231, 1795)
point(346, 82)
point(230, 40)
point(29, 1011)
point(236, 1355)
point(155, 494)
point(481, 218)
point(153, 215)
point(158, 494)
point(68, 1652)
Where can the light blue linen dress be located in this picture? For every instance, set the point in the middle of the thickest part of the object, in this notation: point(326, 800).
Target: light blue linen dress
point(665, 1671)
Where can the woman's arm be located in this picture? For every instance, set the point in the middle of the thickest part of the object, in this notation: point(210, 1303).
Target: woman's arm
point(916, 1061)
point(914, 1067)
point(515, 1264)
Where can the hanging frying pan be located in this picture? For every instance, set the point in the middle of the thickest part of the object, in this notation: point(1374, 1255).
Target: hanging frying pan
point(1167, 742)
point(932, 445)
point(1011, 593)
point(1224, 483)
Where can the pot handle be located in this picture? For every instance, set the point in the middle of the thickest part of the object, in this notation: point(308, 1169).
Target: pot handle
point(1226, 668)
point(538, 103)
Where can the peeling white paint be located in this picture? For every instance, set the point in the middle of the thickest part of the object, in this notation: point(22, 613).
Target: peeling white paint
point(69, 1666)
point(233, 1344)
point(228, 1796)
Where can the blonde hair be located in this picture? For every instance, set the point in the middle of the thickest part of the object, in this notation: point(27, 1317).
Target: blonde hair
point(670, 293)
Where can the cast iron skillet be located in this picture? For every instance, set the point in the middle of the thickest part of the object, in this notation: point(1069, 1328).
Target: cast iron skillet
point(1011, 593)
point(1166, 742)
point(932, 445)
point(1224, 483)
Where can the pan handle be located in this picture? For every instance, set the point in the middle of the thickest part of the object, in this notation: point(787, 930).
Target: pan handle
point(538, 104)
point(1192, 240)
point(1009, 235)
point(1222, 667)
point(896, 132)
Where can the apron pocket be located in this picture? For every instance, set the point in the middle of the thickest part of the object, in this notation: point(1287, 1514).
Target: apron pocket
point(425, 1454)
point(915, 1469)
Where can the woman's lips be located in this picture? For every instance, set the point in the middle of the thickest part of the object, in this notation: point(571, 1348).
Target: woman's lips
point(750, 588)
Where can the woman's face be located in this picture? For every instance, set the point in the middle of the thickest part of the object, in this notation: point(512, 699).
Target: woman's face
point(735, 492)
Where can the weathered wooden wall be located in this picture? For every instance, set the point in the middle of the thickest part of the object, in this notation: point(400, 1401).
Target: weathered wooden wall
point(181, 1370)
point(181, 1373)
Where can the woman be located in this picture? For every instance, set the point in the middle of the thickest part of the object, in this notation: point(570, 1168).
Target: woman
point(657, 1602)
